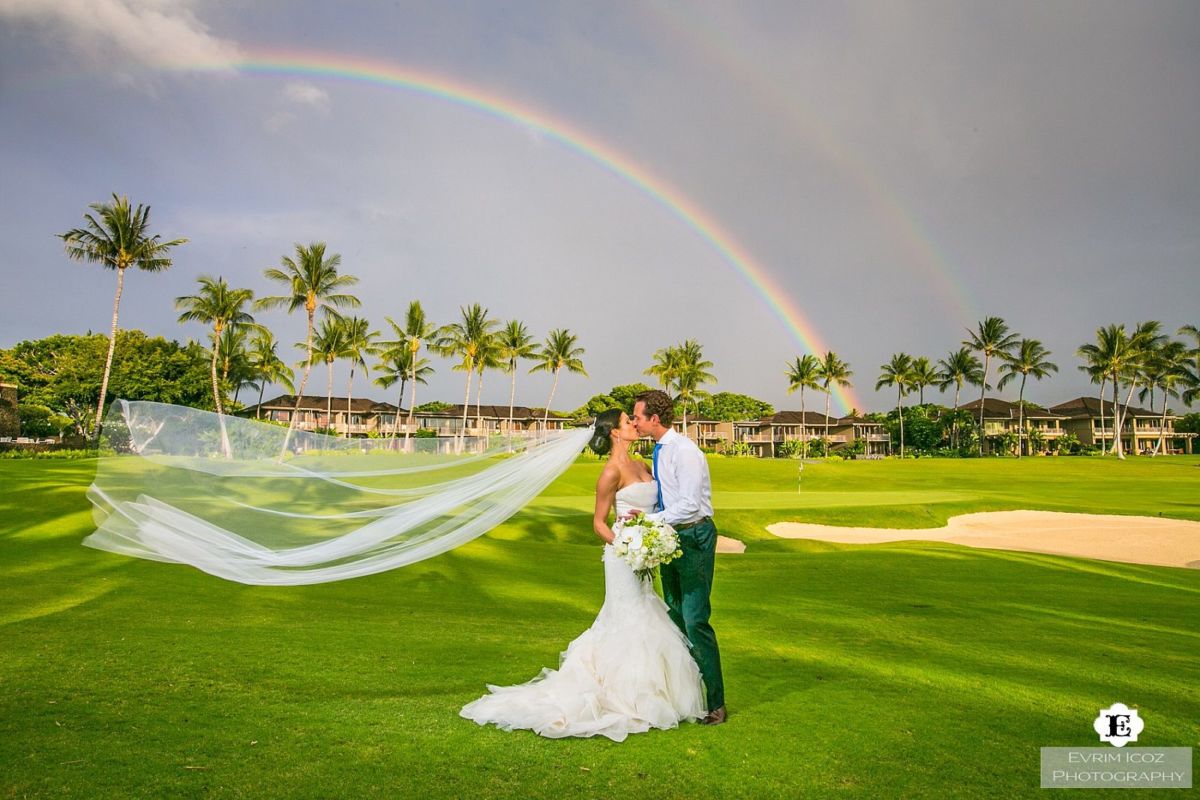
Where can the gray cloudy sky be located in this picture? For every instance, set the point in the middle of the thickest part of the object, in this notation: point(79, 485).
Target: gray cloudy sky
point(898, 170)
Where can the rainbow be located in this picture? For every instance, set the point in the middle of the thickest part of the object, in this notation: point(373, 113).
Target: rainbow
point(923, 253)
point(379, 73)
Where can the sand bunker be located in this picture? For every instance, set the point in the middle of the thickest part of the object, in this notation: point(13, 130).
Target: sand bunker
point(727, 545)
point(1136, 540)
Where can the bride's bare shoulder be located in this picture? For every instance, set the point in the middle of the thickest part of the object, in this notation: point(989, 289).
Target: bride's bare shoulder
point(610, 478)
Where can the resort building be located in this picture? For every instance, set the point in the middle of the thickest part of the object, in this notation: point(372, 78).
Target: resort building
point(372, 418)
point(764, 436)
point(1091, 419)
point(1043, 427)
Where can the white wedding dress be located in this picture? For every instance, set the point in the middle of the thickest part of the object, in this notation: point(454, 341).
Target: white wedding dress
point(630, 672)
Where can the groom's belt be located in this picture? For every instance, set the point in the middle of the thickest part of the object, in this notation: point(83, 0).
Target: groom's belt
point(693, 523)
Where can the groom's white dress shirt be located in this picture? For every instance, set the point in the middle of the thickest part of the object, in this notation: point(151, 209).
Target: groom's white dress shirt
point(683, 480)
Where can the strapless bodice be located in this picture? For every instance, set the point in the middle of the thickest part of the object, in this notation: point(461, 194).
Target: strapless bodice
point(637, 497)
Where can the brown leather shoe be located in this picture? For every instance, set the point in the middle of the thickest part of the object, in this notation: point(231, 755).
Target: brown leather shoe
point(714, 717)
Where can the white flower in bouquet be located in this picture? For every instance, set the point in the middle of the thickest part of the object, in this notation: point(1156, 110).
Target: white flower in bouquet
point(645, 544)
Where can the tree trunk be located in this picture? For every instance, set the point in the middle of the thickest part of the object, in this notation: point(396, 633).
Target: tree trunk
point(900, 414)
point(1116, 420)
point(1021, 418)
point(1132, 423)
point(466, 407)
point(349, 393)
point(262, 387)
point(982, 395)
point(329, 399)
point(685, 407)
point(826, 421)
point(954, 425)
point(478, 394)
point(1162, 427)
point(1103, 382)
point(512, 397)
point(112, 345)
point(412, 404)
point(217, 397)
point(553, 388)
point(399, 402)
point(303, 382)
point(803, 428)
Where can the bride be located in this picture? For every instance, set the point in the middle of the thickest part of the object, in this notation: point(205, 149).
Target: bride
point(632, 670)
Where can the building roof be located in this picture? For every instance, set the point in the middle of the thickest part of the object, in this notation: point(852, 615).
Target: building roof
point(995, 408)
point(1082, 407)
point(312, 402)
point(492, 412)
point(857, 421)
point(796, 418)
point(362, 405)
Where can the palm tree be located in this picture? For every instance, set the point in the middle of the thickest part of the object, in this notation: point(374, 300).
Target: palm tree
point(665, 367)
point(413, 335)
point(117, 237)
point(992, 338)
point(236, 372)
point(923, 374)
point(464, 340)
point(1119, 356)
point(360, 343)
point(958, 367)
point(312, 282)
point(803, 374)
point(1097, 372)
point(515, 343)
point(898, 373)
point(329, 344)
point(1192, 379)
point(1147, 338)
point(268, 367)
point(1165, 370)
point(397, 365)
point(692, 373)
point(487, 357)
point(832, 371)
point(219, 305)
point(1031, 358)
point(556, 354)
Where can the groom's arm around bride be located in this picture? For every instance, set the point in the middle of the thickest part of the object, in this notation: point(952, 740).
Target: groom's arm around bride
point(685, 503)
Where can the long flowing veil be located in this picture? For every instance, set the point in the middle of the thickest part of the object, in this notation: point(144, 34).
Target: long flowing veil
point(185, 486)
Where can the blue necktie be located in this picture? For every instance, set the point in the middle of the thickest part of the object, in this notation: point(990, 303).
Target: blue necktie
point(658, 447)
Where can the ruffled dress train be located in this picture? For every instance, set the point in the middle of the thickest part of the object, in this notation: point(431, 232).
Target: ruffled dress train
point(631, 671)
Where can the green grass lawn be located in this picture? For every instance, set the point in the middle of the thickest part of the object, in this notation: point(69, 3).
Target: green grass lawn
point(895, 670)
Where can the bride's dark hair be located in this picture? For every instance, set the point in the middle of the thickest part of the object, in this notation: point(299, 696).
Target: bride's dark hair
point(601, 442)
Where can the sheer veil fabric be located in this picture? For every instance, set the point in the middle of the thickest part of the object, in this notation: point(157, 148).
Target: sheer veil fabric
point(221, 494)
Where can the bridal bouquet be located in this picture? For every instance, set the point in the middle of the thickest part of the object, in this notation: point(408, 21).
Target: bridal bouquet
point(644, 545)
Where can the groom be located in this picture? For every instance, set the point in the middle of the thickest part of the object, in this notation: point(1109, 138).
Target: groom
point(685, 503)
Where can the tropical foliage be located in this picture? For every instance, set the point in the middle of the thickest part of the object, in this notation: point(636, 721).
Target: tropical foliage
point(730, 406)
point(63, 374)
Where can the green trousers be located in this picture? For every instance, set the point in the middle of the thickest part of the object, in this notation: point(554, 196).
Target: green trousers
point(687, 584)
